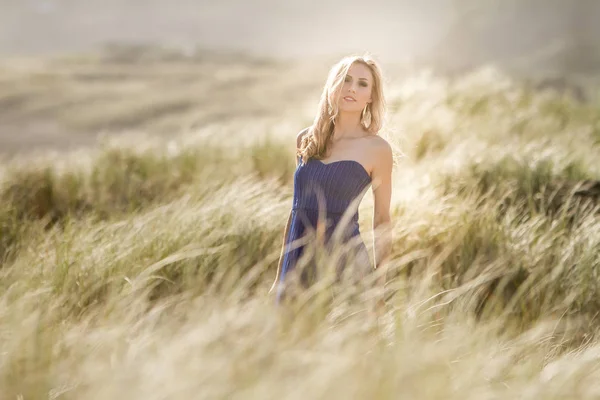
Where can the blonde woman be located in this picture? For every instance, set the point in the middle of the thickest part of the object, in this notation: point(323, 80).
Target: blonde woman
point(338, 158)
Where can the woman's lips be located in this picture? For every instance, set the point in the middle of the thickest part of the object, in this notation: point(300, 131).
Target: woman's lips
point(349, 98)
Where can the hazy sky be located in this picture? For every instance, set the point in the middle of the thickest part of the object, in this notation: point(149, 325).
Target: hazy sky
point(449, 30)
point(269, 26)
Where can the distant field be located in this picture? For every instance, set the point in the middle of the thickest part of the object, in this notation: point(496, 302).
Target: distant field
point(138, 266)
point(66, 102)
point(69, 101)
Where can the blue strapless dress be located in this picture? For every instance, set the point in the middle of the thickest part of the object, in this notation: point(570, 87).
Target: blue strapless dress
point(333, 191)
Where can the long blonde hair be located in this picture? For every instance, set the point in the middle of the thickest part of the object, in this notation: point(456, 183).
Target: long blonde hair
point(317, 141)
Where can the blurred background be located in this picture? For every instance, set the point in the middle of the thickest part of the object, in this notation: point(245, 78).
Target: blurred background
point(64, 67)
point(550, 35)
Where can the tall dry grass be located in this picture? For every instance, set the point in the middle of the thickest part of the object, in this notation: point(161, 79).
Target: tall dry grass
point(140, 268)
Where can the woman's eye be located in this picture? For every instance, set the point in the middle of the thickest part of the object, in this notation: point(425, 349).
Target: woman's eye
point(363, 84)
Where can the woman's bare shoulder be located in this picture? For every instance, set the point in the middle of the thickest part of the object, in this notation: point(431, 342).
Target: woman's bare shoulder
point(380, 149)
point(378, 144)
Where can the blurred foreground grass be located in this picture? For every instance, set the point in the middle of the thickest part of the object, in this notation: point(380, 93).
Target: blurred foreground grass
point(139, 268)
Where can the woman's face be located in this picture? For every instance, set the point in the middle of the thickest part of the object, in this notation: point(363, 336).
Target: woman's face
point(356, 91)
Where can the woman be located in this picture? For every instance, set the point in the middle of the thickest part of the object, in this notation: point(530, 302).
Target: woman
point(337, 158)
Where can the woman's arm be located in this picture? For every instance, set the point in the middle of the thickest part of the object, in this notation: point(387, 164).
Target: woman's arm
point(382, 194)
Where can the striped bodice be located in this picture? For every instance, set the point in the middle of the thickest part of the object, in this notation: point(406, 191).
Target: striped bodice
point(334, 185)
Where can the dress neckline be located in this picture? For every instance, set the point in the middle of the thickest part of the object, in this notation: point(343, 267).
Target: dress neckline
point(346, 161)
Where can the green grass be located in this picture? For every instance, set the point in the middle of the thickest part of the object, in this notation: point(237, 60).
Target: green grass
point(140, 268)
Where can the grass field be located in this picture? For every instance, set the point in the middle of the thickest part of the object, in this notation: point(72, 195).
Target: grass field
point(138, 265)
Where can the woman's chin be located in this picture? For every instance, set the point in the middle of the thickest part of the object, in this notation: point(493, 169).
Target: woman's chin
point(348, 108)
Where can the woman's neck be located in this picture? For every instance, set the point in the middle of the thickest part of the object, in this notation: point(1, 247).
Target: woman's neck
point(347, 125)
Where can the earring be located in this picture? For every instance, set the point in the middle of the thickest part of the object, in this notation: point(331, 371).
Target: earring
point(363, 116)
point(364, 111)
